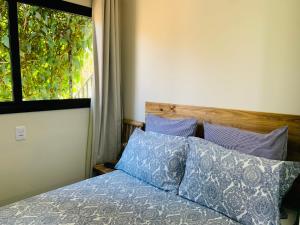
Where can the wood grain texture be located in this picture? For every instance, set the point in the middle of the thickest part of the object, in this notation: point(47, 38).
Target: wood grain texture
point(128, 128)
point(260, 122)
point(247, 120)
point(101, 169)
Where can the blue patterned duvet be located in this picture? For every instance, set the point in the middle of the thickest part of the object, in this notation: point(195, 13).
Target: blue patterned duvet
point(115, 198)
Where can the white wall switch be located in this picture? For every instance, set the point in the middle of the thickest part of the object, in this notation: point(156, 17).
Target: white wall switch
point(20, 133)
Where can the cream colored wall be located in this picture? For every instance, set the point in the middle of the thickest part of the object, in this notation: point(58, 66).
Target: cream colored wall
point(52, 156)
point(224, 53)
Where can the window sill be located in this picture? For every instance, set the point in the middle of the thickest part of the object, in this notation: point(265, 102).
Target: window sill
point(43, 105)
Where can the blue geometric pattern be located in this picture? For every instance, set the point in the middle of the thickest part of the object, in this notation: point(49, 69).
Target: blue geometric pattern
point(111, 199)
point(157, 159)
point(246, 188)
point(271, 146)
point(176, 127)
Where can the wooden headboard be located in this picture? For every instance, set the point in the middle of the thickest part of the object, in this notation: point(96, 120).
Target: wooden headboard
point(247, 120)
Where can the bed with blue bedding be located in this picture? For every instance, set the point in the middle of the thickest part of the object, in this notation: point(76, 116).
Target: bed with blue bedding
point(167, 179)
point(115, 198)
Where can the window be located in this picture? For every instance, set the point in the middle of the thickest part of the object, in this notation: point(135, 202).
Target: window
point(55, 51)
point(51, 63)
point(5, 66)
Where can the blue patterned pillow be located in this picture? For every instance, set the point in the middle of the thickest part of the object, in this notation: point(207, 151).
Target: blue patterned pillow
point(246, 188)
point(177, 127)
point(271, 146)
point(157, 159)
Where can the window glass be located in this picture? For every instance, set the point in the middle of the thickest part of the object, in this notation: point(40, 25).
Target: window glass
point(55, 53)
point(5, 64)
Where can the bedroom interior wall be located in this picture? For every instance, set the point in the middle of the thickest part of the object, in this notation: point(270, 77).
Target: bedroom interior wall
point(52, 155)
point(229, 54)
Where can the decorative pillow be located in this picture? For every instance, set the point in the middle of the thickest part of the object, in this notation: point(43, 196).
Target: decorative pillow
point(177, 127)
point(157, 159)
point(246, 188)
point(270, 146)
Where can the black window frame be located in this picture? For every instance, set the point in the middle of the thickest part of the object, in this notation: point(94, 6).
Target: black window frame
point(17, 105)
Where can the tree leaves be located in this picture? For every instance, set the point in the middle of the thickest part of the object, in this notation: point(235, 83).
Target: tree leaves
point(5, 41)
point(38, 16)
point(5, 67)
point(55, 51)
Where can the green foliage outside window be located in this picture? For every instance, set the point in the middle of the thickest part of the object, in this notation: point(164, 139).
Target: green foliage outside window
point(5, 67)
point(55, 53)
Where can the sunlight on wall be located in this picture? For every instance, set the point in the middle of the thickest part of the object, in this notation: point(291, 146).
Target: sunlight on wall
point(228, 53)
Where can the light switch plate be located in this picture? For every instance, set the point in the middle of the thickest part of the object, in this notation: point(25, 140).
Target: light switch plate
point(20, 133)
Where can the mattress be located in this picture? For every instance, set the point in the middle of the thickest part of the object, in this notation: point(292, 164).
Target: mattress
point(115, 198)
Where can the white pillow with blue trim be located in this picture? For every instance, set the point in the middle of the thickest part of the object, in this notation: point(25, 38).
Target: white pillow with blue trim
point(246, 188)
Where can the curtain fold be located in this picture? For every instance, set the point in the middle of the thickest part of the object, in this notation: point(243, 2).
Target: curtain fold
point(104, 141)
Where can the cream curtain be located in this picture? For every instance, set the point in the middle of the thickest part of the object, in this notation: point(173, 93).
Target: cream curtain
point(106, 108)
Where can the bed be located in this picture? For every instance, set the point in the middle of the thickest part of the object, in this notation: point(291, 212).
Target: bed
point(118, 198)
point(114, 198)
point(248, 120)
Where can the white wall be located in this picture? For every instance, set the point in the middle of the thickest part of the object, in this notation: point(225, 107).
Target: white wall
point(52, 156)
point(222, 53)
